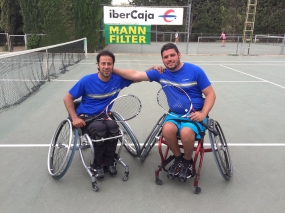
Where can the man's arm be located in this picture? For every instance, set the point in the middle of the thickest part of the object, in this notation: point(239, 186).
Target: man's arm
point(133, 75)
point(69, 105)
point(210, 98)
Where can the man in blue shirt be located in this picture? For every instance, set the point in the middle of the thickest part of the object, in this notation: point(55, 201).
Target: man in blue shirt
point(194, 81)
point(97, 90)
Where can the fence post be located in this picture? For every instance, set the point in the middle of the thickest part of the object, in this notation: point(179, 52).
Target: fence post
point(47, 69)
point(282, 48)
point(198, 44)
point(85, 47)
point(237, 45)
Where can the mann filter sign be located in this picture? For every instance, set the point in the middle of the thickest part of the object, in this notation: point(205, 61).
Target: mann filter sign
point(127, 34)
point(143, 15)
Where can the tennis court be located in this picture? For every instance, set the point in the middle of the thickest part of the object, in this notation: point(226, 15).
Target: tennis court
point(249, 106)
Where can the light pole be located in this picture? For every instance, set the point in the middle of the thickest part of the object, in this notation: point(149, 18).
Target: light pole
point(188, 25)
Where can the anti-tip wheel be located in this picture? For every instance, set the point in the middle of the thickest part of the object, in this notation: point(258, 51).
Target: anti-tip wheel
point(125, 178)
point(158, 181)
point(95, 187)
point(197, 190)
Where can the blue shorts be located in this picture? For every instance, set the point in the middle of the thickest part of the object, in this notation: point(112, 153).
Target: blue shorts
point(186, 122)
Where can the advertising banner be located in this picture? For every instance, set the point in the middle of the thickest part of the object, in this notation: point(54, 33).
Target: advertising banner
point(143, 15)
point(127, 34)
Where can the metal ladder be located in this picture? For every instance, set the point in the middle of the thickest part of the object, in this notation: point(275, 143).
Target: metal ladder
point(249, 24)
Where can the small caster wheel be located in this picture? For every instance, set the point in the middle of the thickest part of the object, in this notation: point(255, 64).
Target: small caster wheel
point(158, 181)
point(197, 190)
point(95, 187)
point(125, 178)
point(170, 176)
point(182, 179)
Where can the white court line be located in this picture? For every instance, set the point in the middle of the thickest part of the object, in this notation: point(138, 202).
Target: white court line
point(194, 61)
point(202, 64)
point(206, 144)
point(211, 81)
point(77, 80)
point(253, 76)
point(24, 145)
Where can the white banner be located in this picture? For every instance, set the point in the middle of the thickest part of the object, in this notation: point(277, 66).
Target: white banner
point(143, 15)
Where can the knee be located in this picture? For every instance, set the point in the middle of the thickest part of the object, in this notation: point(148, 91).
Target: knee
point(99, 135)
point(169, 129)
point(113, 133)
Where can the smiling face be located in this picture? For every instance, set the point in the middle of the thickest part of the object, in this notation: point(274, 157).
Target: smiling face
point(171, 59)
point(105, 67)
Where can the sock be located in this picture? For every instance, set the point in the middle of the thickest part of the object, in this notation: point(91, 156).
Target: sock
point(179, 157)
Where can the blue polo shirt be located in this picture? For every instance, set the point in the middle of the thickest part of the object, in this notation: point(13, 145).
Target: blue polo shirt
point(97, 94)
point(191, 78)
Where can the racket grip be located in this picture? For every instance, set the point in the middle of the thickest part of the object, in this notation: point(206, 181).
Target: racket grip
point(211, 129)
point(88, 120)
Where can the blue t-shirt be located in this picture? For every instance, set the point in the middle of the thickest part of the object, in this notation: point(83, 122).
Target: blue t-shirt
point(97, 94)
point(191, 78)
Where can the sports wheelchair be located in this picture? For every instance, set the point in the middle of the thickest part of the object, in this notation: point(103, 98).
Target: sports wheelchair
point(67, 139)
point(218, 147)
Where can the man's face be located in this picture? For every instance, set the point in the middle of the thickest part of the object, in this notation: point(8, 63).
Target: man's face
point(105, 67)
point(171, 59)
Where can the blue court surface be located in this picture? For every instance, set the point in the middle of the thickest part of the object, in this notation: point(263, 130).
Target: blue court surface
point(249, 106)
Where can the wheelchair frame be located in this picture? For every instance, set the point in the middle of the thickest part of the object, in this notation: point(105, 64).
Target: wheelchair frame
point(218, 147)
point(64, 144)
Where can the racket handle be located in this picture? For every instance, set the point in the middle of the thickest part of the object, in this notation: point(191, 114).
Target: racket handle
point(88, 120)
point(211, 129)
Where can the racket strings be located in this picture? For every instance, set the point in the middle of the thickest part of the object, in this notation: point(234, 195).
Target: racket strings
point(127, 106)
point(174, 100)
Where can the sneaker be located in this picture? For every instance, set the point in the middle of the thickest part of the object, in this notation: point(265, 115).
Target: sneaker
point(112, 170)
point(186, 171)
point(175, 168)
point(99, 173)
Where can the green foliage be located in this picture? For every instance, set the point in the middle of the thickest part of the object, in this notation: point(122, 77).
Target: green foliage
point(11, 20)
point(66, 20)
point(34, 41)
point(5, 47)
point(32, 16)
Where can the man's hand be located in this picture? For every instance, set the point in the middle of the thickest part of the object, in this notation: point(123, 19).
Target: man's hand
point(78, 122)
point(160, 69)
point(197, 116)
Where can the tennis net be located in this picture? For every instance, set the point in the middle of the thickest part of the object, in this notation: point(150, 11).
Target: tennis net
point(23, 73)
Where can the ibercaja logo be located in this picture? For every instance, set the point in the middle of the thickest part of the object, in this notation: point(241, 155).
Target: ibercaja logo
point(168, 16)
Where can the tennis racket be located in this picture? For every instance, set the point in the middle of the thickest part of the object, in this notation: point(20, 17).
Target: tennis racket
point(128, 106)
point(176, 102)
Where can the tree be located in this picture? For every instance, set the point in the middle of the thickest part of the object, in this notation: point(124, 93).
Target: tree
point(11, 20)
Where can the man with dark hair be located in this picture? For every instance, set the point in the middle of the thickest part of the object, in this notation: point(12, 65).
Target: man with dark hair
point(97, 90)
point(195, 82)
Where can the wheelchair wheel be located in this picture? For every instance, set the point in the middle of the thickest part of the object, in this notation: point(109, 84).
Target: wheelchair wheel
point(220, 150)
point(62, 149)
point(151, 139)
point(131, 142)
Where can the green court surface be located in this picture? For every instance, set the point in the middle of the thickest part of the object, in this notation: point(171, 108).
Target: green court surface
point(249, 106)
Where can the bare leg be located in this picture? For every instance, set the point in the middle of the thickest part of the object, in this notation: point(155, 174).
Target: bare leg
point(169, 132)
point(188, 140)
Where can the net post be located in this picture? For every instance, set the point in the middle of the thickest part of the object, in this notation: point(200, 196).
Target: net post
point(47, 69)
point(85, 46)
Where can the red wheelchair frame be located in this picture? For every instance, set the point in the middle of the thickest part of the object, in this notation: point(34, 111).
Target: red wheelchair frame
point(218, 147)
